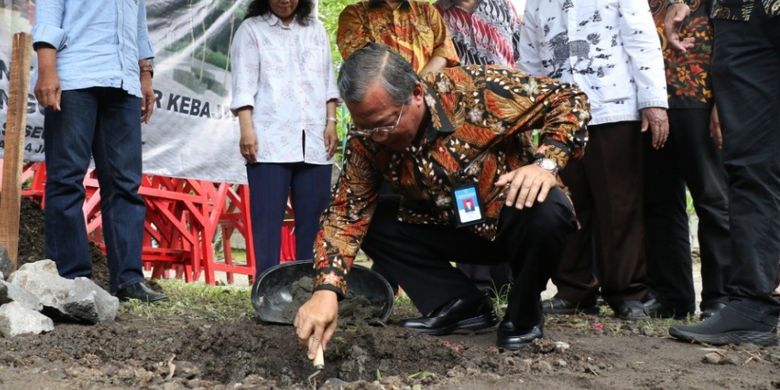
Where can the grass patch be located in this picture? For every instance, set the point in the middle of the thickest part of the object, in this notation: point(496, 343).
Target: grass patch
point(194, 300)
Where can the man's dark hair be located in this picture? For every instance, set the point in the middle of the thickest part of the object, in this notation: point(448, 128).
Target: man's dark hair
point(261, 7)
point(377, 63)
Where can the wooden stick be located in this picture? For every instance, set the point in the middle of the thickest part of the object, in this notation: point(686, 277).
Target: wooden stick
point(13, 154)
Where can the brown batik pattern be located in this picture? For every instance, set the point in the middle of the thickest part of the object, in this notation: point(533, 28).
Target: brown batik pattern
point(480, 129)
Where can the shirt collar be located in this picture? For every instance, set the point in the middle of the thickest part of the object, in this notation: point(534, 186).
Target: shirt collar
point(274, 20)
point(439, 123)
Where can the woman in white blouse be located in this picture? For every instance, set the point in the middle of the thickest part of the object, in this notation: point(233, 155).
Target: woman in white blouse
point(285, 96)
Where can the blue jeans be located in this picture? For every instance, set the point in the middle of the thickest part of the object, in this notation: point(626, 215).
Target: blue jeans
point(104, 123)
point(269, 184)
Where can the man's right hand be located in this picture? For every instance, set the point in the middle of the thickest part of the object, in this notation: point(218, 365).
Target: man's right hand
point(47, 88)
point(673, 22)
point(317, 319)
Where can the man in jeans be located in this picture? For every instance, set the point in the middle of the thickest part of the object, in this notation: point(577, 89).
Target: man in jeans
point(94, 80)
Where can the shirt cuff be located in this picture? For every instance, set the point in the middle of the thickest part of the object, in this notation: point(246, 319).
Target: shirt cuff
point(653, 103)
point(242, 100)
point(52, 35)
point(145, 50)
point(331, 279)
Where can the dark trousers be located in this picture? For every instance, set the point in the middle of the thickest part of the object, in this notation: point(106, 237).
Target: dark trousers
point(746, 82)
point(689, 157)
point(418, 256)
point(104, 123)
point(606, 187)
point(269, 184)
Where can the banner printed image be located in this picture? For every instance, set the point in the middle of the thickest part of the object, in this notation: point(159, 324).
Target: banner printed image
point(192, 133)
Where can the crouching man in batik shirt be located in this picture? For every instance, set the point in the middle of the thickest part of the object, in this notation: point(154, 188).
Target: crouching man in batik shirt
point(473, 189)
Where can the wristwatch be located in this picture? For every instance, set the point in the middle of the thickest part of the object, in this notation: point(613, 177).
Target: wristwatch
point(548, 165)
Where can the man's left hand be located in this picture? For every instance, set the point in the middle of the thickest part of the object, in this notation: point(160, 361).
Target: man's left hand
point(527, 184)
point(656, 120)
point(148, 99)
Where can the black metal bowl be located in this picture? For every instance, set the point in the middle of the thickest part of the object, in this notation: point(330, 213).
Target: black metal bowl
point(272, 292)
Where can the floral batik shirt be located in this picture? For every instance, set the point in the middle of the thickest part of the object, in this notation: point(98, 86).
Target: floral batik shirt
point(480, 125)
point(687, 73)
point(415, 30)
point(737, 9)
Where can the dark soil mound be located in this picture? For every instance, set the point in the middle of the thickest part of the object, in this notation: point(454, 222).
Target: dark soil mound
point(32, 245)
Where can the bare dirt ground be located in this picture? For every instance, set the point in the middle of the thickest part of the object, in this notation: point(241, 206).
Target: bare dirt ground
point(208, 338)
point(166, 348)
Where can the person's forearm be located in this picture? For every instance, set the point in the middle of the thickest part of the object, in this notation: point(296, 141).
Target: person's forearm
point(245, 118)
point(436, 64)
point(47, 59)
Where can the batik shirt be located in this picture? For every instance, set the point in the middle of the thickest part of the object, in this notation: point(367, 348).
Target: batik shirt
point(415, 30)
point(489, 35)
point(687, 73)
point(609, 48)
point(479, 128)
point(738, 9)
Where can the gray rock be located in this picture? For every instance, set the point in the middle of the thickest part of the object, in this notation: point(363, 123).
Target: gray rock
point(5, 262)
point(42, 280)
point(15, 319)
point(76, 300)
point(10, 293)
point(87, 302)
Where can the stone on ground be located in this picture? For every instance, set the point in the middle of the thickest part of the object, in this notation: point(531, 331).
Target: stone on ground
point(15, 320)
point(75, 300)
point(5, 262)
point(86, 301)
point(11, 293)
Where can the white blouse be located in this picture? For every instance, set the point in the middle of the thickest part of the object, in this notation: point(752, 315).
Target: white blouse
point(285, 73)
point(609, 48)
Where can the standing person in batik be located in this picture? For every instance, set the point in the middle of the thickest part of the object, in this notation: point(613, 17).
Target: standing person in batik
point(692, 158)
point(485, 32)
point(413, 29)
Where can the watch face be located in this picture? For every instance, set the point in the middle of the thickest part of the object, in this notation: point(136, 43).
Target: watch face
point(547, 164)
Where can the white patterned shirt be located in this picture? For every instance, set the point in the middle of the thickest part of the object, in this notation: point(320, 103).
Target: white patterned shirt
point(285, 74)
point(609, 48)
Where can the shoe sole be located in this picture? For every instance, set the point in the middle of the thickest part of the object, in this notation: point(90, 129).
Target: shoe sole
point(764, 339)
point(516, 346)
point(471, 324)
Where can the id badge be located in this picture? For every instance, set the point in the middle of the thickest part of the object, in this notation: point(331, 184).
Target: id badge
point(468, 209)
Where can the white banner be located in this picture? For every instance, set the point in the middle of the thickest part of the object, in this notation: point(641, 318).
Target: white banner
point(192, 133)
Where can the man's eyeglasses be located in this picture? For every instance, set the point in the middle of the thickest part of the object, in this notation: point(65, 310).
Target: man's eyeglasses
point(377, 130)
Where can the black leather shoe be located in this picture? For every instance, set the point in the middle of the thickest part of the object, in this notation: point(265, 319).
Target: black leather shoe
point(655, 309)
point(141, 292)
point(631, 310)
point(709, 309)
point(513, 339)
point(558, 305)
point(472, 314)
point(728, 326)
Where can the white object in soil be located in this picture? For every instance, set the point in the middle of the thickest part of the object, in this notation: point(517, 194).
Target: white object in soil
point(11, 293)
